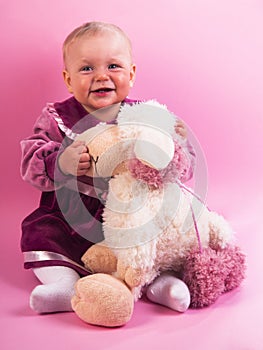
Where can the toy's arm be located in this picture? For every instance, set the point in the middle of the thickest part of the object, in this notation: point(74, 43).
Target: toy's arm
point(100, 258)
point(131, 276)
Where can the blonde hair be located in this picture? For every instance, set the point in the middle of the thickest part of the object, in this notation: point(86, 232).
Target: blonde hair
point(93, 28)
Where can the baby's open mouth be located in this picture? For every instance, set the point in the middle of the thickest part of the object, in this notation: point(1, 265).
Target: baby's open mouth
point(101, 90)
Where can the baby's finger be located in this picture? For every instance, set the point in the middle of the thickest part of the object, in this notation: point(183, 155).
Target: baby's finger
point(84, 157)
point(80, 146)
point(84, 166)
point(84, 149)
point(82, 172)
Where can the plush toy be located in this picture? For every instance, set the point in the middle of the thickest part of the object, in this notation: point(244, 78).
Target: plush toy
point(151, 221)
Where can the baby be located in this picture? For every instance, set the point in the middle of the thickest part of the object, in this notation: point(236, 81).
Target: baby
point(99, 72)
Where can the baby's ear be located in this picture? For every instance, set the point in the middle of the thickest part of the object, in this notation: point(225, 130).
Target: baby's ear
point(67, 80)
point(154, 147)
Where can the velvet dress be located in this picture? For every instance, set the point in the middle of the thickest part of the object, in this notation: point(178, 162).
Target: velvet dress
point(68, 219)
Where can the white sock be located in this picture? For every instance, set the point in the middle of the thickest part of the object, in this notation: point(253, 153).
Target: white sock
point(169, 291)
point(55, 294)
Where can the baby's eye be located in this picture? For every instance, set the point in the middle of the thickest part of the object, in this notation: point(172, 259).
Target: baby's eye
point(114, 66)
point(86, 69)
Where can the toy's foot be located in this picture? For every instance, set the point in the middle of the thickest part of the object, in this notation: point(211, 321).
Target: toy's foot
point(211, 273)
point(233, 257)
point(102, 300)
point(169, 291)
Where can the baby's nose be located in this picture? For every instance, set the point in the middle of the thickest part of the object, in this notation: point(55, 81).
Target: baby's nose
point(101, 75)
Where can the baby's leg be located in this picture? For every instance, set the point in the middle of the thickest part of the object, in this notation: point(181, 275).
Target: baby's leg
point(169, 291)
point(55, 294)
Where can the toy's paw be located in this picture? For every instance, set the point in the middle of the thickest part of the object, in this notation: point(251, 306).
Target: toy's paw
point(133, 277)
point(99, 258)
point(102, 300)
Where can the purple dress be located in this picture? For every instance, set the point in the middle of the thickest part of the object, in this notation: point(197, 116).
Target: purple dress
point(68, 219)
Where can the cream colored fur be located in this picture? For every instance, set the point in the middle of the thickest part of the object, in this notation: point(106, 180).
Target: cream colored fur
point(148, 230)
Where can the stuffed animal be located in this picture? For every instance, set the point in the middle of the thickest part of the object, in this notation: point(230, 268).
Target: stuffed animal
point(151, 221)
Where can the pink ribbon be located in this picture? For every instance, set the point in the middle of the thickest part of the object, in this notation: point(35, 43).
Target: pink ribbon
point(184, 188)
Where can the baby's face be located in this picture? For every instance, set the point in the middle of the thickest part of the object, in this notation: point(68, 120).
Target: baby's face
point(99, 70)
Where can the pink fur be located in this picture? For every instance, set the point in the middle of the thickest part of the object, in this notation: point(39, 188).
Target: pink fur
point(156, 178)
point(210, 273)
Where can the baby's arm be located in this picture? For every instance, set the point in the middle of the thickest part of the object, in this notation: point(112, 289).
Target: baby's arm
point(40, 152)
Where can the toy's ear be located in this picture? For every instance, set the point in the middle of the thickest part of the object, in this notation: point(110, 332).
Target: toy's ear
point(151, 127)
point(154, 147)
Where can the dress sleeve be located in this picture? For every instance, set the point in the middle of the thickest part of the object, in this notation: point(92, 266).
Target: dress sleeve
point(40, 152)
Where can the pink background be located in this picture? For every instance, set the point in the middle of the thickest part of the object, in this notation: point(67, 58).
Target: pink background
point(203, 59)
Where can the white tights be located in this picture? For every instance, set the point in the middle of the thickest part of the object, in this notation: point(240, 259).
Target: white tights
point(169, 291)
point(57, 289)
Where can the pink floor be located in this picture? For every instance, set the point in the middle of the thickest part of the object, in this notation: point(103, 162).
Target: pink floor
point(234, 322)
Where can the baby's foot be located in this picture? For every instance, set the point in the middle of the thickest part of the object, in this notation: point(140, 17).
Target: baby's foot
point(169, 291)
point(48, 298)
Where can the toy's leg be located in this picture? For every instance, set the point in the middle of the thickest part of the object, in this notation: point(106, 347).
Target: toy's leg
point(235, 260)
point(55, 294)
point(169, 291)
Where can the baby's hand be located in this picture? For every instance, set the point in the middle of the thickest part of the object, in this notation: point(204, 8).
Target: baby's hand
point(75, 160)
point(180, 129)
